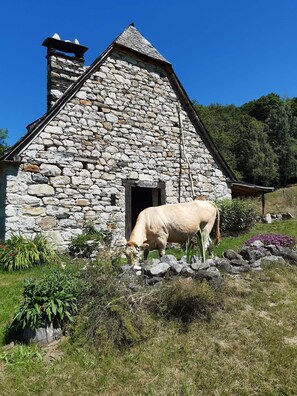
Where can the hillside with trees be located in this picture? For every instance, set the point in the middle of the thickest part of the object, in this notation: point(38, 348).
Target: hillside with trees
point(3, 137)
point(258, 139)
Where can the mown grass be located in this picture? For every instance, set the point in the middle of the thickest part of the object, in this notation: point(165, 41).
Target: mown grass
point(249, 347)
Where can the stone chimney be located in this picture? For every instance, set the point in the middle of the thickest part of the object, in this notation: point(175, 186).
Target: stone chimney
point(62, 69)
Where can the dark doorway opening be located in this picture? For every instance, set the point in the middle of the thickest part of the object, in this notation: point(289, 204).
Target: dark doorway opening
point(139, 198)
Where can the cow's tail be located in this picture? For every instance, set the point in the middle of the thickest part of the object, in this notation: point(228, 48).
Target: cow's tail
point(218, 233)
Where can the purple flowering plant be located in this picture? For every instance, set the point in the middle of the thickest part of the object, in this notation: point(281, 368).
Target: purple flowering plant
point(273, 239)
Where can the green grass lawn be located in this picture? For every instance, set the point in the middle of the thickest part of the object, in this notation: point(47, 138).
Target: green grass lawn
point(249, 347)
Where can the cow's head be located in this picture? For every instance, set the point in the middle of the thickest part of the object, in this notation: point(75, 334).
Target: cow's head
point(133, 253)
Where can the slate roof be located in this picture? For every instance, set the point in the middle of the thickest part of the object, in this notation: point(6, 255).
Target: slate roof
point(132, 39)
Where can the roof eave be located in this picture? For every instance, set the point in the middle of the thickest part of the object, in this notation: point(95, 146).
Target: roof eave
point(240, 188)
point(5, 163)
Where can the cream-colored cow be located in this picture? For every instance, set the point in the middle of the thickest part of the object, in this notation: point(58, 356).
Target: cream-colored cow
point(157, 225)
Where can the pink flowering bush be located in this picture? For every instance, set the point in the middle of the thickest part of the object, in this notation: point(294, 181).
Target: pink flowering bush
point(273, 239)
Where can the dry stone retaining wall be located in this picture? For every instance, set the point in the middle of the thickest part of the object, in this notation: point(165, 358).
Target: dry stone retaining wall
point(250, 258)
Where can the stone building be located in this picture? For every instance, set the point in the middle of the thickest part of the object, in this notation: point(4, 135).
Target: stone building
point(118, 136)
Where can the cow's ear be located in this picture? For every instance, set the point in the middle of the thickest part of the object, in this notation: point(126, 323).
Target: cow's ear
point(144, 246)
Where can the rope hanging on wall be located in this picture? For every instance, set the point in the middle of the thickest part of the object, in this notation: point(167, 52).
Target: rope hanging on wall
point(182, 142)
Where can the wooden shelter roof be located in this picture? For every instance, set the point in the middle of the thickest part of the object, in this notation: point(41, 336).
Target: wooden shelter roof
point(243, 189)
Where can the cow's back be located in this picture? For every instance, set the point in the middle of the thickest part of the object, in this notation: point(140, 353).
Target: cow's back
point(177, 222)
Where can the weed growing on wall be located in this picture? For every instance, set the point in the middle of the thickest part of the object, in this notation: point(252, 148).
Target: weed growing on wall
point(185, 300)
point(114, 316)
point(196, 246)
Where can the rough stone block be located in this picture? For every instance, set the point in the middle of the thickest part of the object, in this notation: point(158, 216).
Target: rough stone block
point(31, 168)
point(47, 222)
point(41, 190)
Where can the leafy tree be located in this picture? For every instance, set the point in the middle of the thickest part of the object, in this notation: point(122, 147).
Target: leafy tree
point(255, 156)
point(293, 105)
point(243, 142)
point(292, 144)
point(278, 122)
point(3, 137)
point(222, 124)
point(280, 116)
point(261, 108)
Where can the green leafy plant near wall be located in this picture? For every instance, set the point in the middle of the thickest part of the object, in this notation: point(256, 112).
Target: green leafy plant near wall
point(19, 253)
point(87, 243)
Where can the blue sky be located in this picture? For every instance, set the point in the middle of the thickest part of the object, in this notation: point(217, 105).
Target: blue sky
point(223, 51)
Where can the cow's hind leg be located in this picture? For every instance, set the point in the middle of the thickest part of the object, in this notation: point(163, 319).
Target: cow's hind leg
point(145, 254)
point(161, 246)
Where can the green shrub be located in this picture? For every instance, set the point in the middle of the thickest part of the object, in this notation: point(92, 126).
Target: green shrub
point(185, 299)
point(19, 253)
point(87, 243)
point(111, 316)
point(236, 215)
point(114, 316)
point(50, 299)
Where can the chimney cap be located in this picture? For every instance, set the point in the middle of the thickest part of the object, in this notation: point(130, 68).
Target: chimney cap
point(65, 46)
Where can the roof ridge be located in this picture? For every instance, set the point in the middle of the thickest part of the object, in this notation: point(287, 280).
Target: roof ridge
point(131, 38)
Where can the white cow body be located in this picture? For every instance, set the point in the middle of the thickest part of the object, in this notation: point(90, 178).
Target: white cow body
point(158, 225)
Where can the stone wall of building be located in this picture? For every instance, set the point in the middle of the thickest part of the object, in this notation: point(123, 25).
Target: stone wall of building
point(125, 122)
